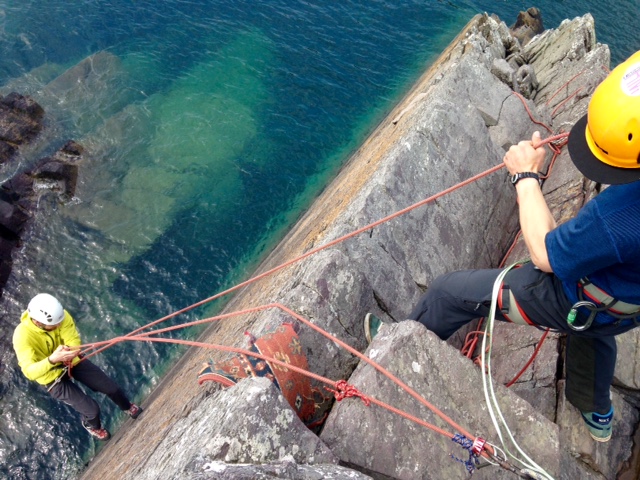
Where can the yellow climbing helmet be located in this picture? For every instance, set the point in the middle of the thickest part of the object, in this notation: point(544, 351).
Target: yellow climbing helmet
point(605, 144)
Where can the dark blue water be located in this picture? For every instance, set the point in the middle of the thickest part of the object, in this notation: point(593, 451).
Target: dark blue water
point(216, 125)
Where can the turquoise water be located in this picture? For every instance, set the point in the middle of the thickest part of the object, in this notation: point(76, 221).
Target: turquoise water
point(210, 127)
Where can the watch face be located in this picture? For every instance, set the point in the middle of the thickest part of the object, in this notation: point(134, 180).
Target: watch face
point(519, 176)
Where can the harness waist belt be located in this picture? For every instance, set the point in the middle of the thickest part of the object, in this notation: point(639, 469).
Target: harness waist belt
point(598, 295)
point(50, 385)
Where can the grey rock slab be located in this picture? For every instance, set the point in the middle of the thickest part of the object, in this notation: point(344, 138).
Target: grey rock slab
point(250, 422)
point(513, 347)
point(393, 446)
point(627, 371)
point(288, 470)
point(557, 57)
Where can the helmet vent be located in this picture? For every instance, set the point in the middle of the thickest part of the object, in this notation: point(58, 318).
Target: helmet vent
point(46, 309)
point(630, 136)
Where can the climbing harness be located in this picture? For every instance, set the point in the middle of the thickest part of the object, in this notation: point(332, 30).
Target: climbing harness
point(65, 371)
point(614, 306)
point(596, 300)
point(508, 305)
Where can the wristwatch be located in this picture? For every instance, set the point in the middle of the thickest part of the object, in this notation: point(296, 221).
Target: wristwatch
point(515, 178)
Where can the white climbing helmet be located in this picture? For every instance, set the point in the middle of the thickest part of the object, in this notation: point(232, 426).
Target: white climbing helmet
point(46, 309)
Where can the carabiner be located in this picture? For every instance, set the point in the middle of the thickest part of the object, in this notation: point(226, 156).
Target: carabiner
point(573, 313)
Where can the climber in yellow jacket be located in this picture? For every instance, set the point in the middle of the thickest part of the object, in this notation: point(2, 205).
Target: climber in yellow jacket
point(46, 341)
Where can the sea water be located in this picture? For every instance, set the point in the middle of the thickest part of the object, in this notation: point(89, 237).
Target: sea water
point(210, 126)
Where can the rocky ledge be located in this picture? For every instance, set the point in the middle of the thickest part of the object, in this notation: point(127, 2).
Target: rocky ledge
point(456, 122)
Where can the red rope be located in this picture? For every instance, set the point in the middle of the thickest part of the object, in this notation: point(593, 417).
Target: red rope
point(341, 387)
point(561, 104)
point(97, 347)
point(556, 143)
point(314, 251)
point(526, 107)
point(535, 354)
point(366, 399)
point(562, 87)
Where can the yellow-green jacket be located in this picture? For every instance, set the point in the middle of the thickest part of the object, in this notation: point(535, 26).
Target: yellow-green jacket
point(33, 345)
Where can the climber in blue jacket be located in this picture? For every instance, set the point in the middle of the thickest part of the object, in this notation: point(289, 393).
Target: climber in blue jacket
point(584, 275)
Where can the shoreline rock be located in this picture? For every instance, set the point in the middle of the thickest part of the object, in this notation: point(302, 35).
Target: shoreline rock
point(21, 122)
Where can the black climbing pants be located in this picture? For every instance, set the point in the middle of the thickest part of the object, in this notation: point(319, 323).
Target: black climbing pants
point(93, 377)
point(456, 298)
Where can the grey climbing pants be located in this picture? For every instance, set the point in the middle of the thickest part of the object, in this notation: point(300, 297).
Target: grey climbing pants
point(456, 298)
point(93, 377)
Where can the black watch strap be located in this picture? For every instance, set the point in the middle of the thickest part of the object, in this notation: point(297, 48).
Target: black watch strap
point(519, 176)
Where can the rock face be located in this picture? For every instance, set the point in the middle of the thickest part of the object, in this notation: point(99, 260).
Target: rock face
point(272, 431)
point(528, 25)
point(456, 122)
point(398, 448)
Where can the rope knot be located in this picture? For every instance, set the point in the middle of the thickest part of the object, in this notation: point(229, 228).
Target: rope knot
point(344, 390)
point(473, 447)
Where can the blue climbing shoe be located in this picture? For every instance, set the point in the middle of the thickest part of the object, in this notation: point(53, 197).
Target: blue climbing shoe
point(600, 426)
point(372, 325)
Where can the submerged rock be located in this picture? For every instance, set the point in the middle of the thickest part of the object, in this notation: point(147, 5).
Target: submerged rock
point(20, 121)
point(186, 139)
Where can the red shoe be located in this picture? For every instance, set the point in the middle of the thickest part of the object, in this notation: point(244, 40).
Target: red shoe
point(134, 411)
point(99, 433)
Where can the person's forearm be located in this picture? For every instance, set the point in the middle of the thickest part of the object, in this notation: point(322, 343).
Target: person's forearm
point(35, 370)
point(535, 221)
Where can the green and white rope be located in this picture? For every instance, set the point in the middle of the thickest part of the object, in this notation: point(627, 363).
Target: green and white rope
point(497, 418)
